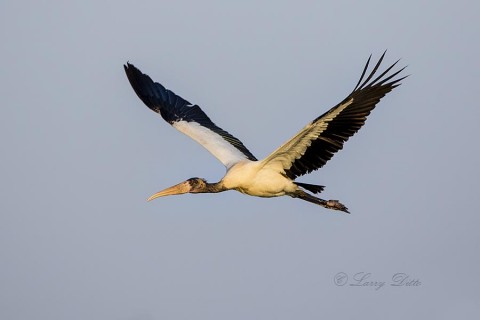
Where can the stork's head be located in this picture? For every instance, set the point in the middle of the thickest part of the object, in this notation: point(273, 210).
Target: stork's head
point(192, 185)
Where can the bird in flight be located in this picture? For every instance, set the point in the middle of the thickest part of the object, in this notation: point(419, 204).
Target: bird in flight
point(275, 175)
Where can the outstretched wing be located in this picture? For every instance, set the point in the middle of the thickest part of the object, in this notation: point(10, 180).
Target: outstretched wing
point(187, 118)
point(317, 142)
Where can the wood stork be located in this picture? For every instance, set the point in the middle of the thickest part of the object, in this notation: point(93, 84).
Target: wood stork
point(273, 176)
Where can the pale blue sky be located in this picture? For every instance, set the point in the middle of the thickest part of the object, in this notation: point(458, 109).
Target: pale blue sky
point(81, 153)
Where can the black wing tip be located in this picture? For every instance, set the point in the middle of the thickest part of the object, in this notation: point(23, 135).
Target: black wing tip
point(131, 70)
point(134, 74)
point(150, 92)
point(380, 80)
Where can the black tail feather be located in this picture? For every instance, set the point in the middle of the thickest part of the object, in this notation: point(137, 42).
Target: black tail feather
point(310, 187)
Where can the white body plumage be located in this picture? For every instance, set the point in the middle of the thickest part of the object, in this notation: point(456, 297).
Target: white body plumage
point(257, 179)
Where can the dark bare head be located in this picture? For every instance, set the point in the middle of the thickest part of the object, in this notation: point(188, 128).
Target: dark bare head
point(197, 185)
point(192, 185)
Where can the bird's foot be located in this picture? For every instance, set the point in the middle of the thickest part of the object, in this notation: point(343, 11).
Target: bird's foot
point(336, 205)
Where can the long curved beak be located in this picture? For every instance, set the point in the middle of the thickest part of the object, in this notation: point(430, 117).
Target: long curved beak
point(181, 188)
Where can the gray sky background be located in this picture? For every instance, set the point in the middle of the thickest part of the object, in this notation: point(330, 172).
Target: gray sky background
point(81, 153)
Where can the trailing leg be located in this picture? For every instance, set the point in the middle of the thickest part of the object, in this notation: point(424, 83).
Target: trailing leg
point(329, 204)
